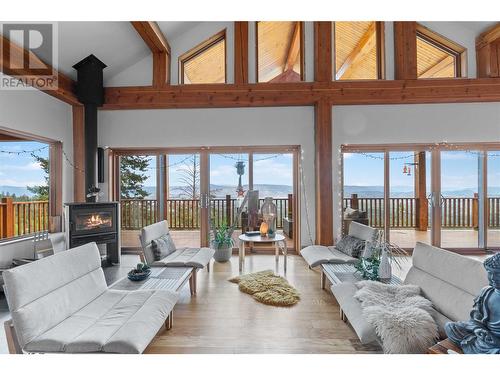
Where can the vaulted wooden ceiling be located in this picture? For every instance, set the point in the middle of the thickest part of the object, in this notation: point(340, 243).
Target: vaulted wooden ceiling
point(433, 62)
point(208, 66)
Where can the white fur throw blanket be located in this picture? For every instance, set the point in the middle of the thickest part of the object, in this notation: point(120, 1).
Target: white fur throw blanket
point(402, 318)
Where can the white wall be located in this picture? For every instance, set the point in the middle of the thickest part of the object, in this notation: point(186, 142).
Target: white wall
point(40, 114)
point(216, 127)
point(416, 123)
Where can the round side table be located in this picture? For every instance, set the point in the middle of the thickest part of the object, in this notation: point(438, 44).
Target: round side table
point(278, 240)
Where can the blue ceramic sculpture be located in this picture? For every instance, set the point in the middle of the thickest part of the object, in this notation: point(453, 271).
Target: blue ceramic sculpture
point(481, 334)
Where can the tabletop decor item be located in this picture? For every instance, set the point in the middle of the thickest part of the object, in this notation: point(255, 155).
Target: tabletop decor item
point(222, 243)
point(481, 333)
point(269, 213)
point(140, 272)
point(376, 261)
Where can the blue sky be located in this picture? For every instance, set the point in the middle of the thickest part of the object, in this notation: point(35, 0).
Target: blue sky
point(459, 170)
point(21, 170)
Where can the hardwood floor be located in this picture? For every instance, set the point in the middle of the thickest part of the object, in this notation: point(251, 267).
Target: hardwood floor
point(221, 319)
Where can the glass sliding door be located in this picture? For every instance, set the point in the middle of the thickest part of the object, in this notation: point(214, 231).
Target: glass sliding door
point(183, 204)
point(461, 199)
point(493, 206)
point(273, 176)
point(363, 189)
point(138, 196)
point(229, 180)
point(409, 209)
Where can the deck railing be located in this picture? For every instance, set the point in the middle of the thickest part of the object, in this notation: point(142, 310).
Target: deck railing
point(456, 212)
point(184, 214)
point(21, 218)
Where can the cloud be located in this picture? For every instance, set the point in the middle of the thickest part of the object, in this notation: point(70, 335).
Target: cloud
point(20, 183)
point(33, 166)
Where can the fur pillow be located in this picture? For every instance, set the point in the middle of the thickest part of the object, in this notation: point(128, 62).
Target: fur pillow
point(162, 247)
point(351, 246)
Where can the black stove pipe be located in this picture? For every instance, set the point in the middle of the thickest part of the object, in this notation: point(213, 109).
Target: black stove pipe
point(90, 92)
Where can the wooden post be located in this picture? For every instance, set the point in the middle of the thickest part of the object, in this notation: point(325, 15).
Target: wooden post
point(405, 50)
point(475, 211)
point(322, 51)
point(241, 52)
point(290, 206)
point(324, 176)
point(421, 205)
point(228, 210)
point(8, 218)
point(354, 201)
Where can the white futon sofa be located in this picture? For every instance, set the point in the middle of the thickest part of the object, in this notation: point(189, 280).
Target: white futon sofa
point(62, 304)
point(450, 281)
point(181, 257)
point(315, 255)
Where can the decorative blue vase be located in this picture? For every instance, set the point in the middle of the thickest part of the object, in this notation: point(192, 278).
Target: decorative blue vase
point(481, 333)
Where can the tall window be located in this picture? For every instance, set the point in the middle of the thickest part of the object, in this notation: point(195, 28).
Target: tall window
point(205, 63)
point(24, 187)
point(439, 57)
point(358, 50)
point(280, 51)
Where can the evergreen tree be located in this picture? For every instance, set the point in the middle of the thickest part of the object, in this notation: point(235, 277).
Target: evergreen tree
point(133, 176)
point(41, 192)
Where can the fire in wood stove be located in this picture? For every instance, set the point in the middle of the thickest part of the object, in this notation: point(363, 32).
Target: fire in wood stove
point(98, 220)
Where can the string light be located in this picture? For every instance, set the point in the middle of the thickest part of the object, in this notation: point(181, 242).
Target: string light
point(21, 152)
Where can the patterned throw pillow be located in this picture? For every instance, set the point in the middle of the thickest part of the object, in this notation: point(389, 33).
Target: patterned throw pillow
point(351, 246)
point(162, 247)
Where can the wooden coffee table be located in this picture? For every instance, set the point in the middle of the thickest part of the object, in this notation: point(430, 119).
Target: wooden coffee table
point(163, 278)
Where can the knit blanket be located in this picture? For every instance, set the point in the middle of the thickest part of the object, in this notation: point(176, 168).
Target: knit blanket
point(402, 318)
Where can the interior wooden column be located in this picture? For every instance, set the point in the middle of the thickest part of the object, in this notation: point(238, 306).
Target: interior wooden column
point(55, 190)
point(488, 53)
point(405, 50)
point(78, 154)
point(240, 52)
point(421, 209)
point(161, 69)
point(324, 173)
point(322, 51)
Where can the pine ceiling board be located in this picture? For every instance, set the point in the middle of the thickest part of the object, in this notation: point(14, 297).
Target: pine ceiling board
point(428, 56)
point(273, 44)
point(348, 35)
point(208, 66)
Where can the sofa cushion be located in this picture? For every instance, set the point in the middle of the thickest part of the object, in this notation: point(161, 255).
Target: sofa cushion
point(187, 257)
point(162, 246)
point(340, 257)
point(351, 246)
point(344, 293)
point(363, 232)
point(44, 293)
point(150, 233)
point(116, 322)
point(315, 255)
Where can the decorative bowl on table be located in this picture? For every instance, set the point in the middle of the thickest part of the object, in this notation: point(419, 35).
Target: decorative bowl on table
point(141, 272)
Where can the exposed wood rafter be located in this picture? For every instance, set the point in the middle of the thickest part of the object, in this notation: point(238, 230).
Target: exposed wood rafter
point(13, 56)
point(435, 69)
point(366, 43)
point(153, 37)
point(294, 49)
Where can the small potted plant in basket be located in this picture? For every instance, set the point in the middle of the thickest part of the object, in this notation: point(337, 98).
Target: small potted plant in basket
point(222, 242)
point(140, 272)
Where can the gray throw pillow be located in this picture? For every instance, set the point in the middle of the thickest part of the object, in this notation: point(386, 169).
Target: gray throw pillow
point(162, 247)
point(351, 246)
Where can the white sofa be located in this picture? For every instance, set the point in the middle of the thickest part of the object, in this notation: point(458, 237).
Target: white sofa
point(181, 257)
point(315, 255)
point(62, 304)
point(450, 281)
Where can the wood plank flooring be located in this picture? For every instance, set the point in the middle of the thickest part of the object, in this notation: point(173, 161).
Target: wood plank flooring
point(221, 319)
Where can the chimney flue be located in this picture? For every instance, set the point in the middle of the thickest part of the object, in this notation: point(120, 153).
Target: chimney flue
point(90, 92)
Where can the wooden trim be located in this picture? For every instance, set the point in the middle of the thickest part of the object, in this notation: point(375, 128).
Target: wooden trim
point(457, 146)
point(405, 50)
point(55, 188)
point(323, 167)
point(487, 46)
point(241, 52)
point(488, 36)
point(302, 57)
point(120, 151)
point(458, 52)
point(78, 154)
point(200, 48)
point(62, 88)
point(449, 90)
point(380, 35)
point(323, 51)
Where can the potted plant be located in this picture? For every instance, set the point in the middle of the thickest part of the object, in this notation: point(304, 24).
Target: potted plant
point(140, 272)
point(222, 242)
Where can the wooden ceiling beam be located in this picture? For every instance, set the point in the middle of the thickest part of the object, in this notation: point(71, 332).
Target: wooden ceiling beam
point(150, 32)
point(405, 50)
point(294, 49)
point(305, 93)
point(365, 44)
point(61, 86)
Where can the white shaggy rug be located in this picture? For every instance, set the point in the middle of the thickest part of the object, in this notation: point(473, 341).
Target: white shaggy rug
point(401, 317)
